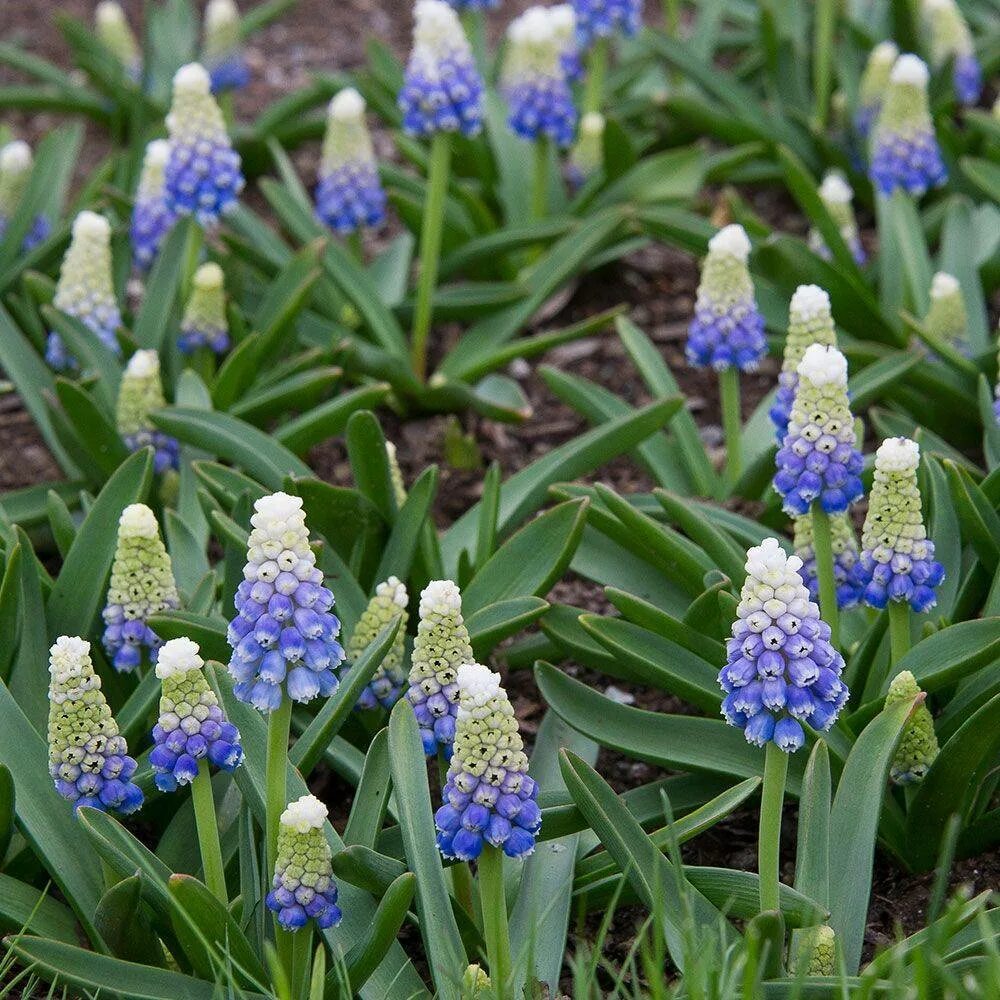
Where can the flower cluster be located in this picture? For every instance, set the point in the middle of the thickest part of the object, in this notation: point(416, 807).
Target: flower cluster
point(836, 195)
point(203, 175)
point(388, 604)
point(918, 744)
point(222, 49)
point(488, 797)
point(905, 152)
point(816, 954)
point(947, 318)
point(586, 158)
point(818, 459)
point(810, 321)
point(597, 19)
point(303, 888)
point(897, 559)
point(204, 322)
point(727, 329)
point(85, 289)
point(88, 757)
point(781, 670)
point(440, 648)
point(140, 394)
point(151, 218)
point(950, 38)
point(534, 78)
point(15, 172)
point(284, 632)
point(191, 726)
point(442, 89)
point(845, 558)
point(142, 585)
point(349, 195)
point(113, 31)
point(873, 85)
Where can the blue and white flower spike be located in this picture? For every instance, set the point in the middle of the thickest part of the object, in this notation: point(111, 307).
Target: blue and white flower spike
point(349, 196)
point(441, 646)
point(844, 546)
point(222, 47)
point(534, 81)
point(905, 152)
point(139, 395)
point(88, 757)
point(950, 38)
point(463, 5)
point(602, 18)
point(151, 218)
point(389, 603)
point(586, 158)
point(442, 89)
point(203, 175)
point(204, 323)
point(142, 585)
point(874, 83)
point(836, 195)
point(191, 725)
point(303, 888)
point(897, 558)
point(818, 459)
point(727, 329)
point(564, 24)
point(488, 797)
point(16, 162)
point(810, 321)
point(85, 289)
point(284, 636)
point(947, 318)
point(113, 31)
point(781, 670)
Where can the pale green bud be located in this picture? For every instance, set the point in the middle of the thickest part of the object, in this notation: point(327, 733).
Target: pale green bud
point(810, 321)
point(15, 172)
point(116, 36)
point(918, 745)
point(140, 393)
point(816, 951)
point(875, 78)
point(905, 111)
point(347, 140)
point(586, 158)
point(947, 317)
point(142, 578)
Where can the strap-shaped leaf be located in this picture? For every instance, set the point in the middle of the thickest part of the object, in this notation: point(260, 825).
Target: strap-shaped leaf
point(125, 926)
point(363, 959)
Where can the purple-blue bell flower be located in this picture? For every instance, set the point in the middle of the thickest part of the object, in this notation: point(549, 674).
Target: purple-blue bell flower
point(222, 51)
point(873, 86)
point(602, 18)
point(151, 218)
point(139, 395)
point(845, 558)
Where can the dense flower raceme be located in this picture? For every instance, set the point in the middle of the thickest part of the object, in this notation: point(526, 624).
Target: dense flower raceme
point(15, 172)
point(284, 637)
point(534, 79)
point(586, 158)
point(139, 395)
point(303, 888)
point(389, 603)
point(818, 459)
point(810, 321)
point(601, 18)
point(836, 195)
point(905, 152)
point(349, 195)
point(114, 33)
point(947, 318)
point(88, 757)
point(873, 85)
point(781, 670)
point(222, 48)
point(204, 323)
point(442, 89)
point(816, 954)
point(151, 218)
point(488, 797)
point(142, 585)
point(727, 329)
point(442, 645)
point(85, 289)
point(563, 18)
point(845, 558)
point(918, 745)
point(203, 175)
point(897, 559)
point(191, 726)
point(950, 38)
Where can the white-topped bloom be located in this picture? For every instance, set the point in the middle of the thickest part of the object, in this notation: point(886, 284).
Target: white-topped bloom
point(137, 521)
point(440, 597)
point(909, 70)
point(113, 31)
point(897, 455)
point(305, 813)
point(823, 365)
point(731, 240)
point(477, 686)
point(178, 656)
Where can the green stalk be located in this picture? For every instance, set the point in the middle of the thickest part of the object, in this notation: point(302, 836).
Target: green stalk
point(208, 833)
point(899, 630)
point(495, 929)
point(772, 799)
point(355, 243)
point(732, 421)
point(275, 776)
point(823, 548)
point(540, 180)
point(597, 70)
point(474, 24)
point(823, 29)
point(430, 248)
point(301, 958)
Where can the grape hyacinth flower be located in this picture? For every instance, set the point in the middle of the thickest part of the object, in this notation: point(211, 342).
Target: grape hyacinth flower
point(488, 797)
point(564, 25)
point(816, 953)
point(113, 31)
point(203, 175)
point(395, 474)
point(818, 459)
point(442, 645)
point(466, 5)
point(349, 195)
point(836, 195)
point(191, 726)
point(844, 544)
point(905, 152)
point(88, 757)
point(586, 158)
point(388, 604)
point(222, 48)
point(897, 559)
point(139, 395)
point(85, 289)
point(303, 888)
point(947, 319)
point(781, 670)
point(284, 637)
point(950, 38)
point(874, 83)
point(918, 745)
point(151, 218)
point(204, 323)
point(15, 171)
point(142, 585)
point(597, 19)
point(810, 321)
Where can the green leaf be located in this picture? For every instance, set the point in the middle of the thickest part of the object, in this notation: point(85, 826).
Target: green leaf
point(371, 797)
point(23, 907)
point(209, 633)
point(979, 521)
point(365, 956)
point(716, 544)
point(91, 352)
point(673, 175)
point(124, 926)
point(408, 529)
point(330, 418)
point(96, 431)
point(159, 303)
point(490, 625)
point(366, 449)
point(991, 428)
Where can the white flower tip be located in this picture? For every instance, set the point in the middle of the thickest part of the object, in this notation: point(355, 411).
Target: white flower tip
point(944, 285)
point(395, 590)
point(15, 157)
point(276, 507)
point(910, 70)
point(138, 521)
point(143, 364)
point(208, 277)
point(306, 813)
point(435, 19)
point(91, 226)
point(564, 19)
point(808, 302)
point(823, 365)
point(732, 240)
point(441, 594)
point(477, 684)
point(769, 558)
point(178, 656)
point(592, 123)
point(157, 153)
point(220, 12)
point(885, 52)
point(193, 79)
point(68, 648)
point(108, 13)
point(835, 189)
point(347, 106)
point(535, 26)
point(897, 455)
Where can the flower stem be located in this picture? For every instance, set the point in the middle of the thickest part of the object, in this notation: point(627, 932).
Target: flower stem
point(823, 547)
point(899, 630)
point(540, 180)
point(597, 70)
point(275, 776)
point(495, 929)
point(208, 833)
point(732, 421)
point(430, 247)
point(301, 955)
point(355, 244)
point(825, 21)
point(772, 798)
